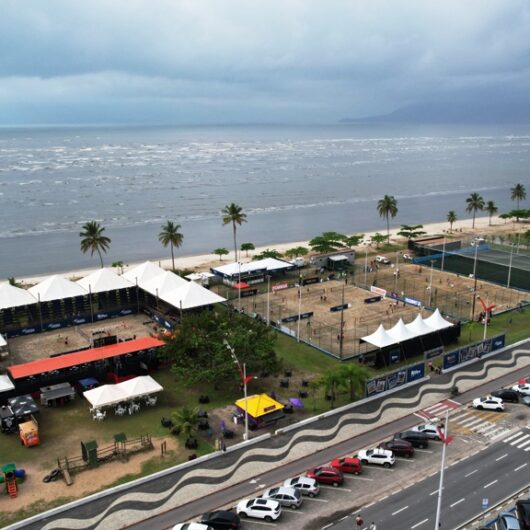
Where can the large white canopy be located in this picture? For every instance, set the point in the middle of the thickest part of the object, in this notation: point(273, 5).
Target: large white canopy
point(194, 276)
point(56, 288)
point(104, 280)
point(270, 264)
point(163, 283)
point(142, 273)
point(419, 327)
point(400, 333)
point(379, 338)
point(107, 395)
point(437, 321)
point(11, 296)
point(191, 295)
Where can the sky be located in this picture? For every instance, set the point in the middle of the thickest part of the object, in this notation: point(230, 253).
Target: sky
point(255, 61)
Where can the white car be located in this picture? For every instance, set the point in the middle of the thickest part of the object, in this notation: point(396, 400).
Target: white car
point(191, 526)
point(408, 257)
point(429, 429)
point(522, 389)
point(382, 457)
point(307, 486)
point(259, 509)
point(489, 403)
point(382, 259)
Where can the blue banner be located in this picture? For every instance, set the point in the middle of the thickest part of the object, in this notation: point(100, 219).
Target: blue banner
point(498, 342)
point(451, 359)
point(415, 372)
point(394, 379)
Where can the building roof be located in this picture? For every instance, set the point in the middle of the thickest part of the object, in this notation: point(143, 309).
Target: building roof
point(162, 283)
point(268, 264)
point(56, 288)
point(142, 273)
point(379, 338)
point(190, 295)
point(11, 296)
point(104, 280)
point(259, 405)
point(437, 321)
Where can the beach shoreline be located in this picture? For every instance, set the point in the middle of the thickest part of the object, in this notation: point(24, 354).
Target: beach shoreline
point(203, 262)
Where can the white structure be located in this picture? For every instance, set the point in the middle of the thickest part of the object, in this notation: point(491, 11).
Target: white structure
point(162, 283)
point(11, 296)
point(104, 280)
point(437, 321)
point(56, 288)
point(142, 273)
point(190, 295)
point(418, 326)
point(400, 333)
point(233, 270)
point(379, 338)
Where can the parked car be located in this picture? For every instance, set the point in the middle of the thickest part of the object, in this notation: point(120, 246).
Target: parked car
point(398, 447)
point(382, 259)
point(288, 497)
point(526, 400)
point(192, 526)
point(489, 403)
point(522, 509)
point(508, 521)
point(347, 465)
point(307, 486)
point(522, 389)
point(377, 456)
point(326, 475)
point(507, 394)
point(221, 519)
point(259, 509)
point(429, 429)
point(417, 439)
point(408, 257)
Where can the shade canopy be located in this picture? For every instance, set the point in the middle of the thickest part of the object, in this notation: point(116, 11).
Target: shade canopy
point(142, 273)
point(437, 321)
point(195, 276)
point(241, 285)
point(162, 283)
point(379, 338)
point(400, 332)
point(191, 295)
point(3, 342)
point(6, 384)
point(104, 280)
point(259, 405)
point(143, 385)
point(105, 395)
point(11, 296)
point(23, 406)
point(56, 288)
point(267, 264)
point(418, 326)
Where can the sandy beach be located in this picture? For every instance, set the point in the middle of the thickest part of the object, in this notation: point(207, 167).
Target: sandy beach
point(203, 262)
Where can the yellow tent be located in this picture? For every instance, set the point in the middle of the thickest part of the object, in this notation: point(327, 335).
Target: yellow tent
point(259, 405)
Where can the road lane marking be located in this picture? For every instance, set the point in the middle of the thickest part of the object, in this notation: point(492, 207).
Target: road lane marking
point(471, 473)
point(521, 467)
point(520, 439)
point(418, 524)
point(400, 510)
point(263, 523)
point(362, 478)
point(524, 444)
point(410, 460)
point(490, 484)
point(433, 493)
point(316, 500)
point(501, 457)
point(424, 451)
point(457, 502)
point(334, 488)
point(513, 436)
point(381, 468)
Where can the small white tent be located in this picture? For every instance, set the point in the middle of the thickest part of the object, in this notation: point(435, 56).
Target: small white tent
point(142, 273)
point(11, 296)
point(163, 283)
point(418, 326)
point(191, 295)
point(143, 385)
point(436, 321)
point(379, 338)
point(56, 288)
point(104, 280)
point(104, 396)
point(400, 333)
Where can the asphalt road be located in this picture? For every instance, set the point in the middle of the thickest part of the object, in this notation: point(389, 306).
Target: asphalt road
point(231, 494)
point(491, 474)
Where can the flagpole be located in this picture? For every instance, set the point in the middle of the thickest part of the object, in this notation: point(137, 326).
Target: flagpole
point(299, 308)
point(441, 486)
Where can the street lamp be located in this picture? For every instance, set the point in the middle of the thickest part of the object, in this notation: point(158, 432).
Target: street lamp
point(299, 308)
point(239, 287)
point(268, 299)
point(430, 283)
point(446, 440)
point(475, 283)
point(365, 264)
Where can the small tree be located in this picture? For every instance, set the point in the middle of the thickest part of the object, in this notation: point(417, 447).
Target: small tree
point(220, 252)
point(377, 239)
point(296, 251)
point(118, 265)
point(268, 253)
point(185, 421)
point(354, 240)
point(247, 246)
point(475, 202)
point(330, 381)
point(451, 218)
point(327, 242)
point(410, 231)
point(518, 194)
point(387, 208)
point(354, 377)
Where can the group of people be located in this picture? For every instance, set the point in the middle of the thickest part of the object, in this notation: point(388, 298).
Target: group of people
point(359, 523)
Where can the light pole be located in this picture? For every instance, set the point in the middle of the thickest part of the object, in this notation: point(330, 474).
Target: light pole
point(430, 283)
point(365, 265)
point(299, 308)
point(446, 441)
point(475, 285)
point(510, 267)
point(239, 287)
point(268, 299)
point(396, 272)
point(443, 256)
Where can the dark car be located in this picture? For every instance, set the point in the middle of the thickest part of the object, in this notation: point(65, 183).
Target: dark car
point(417, 439)
point(398, 447)
point(221, 519)
point(522, 509)
point(507, 394)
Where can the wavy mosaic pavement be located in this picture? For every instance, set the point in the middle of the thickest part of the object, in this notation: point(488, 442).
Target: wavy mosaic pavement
point(197, 482)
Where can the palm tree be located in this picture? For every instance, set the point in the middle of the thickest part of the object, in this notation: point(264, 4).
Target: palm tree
point(94, 240)
point(451, 218)
point(232, 213)
point(330, 381)
point(518, 194)
point(185, 421)
point(474, 203)
point(491, 209)
point(354, 377)
point(170, 235)
point(387, 207)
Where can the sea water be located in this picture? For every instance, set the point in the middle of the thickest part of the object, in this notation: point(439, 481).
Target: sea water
point(293, 182)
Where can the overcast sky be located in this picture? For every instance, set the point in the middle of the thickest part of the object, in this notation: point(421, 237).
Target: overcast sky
point(241, 61)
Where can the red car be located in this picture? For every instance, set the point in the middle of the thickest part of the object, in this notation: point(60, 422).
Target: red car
point(326, 475)
point(398, 447)
point(347, 465)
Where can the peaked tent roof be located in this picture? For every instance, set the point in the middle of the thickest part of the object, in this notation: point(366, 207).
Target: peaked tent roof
point(163, 283)
point(11, 296)
point(2, 342)
point(105, 395)
point(191, 295)
point(400, 333)
point(6, 384)
point(194, 276)
point(418, 326)
point(270, 264)
point(104, 280)
point(259, 405)
point(437, 321)
point(142, 273)
point(379, 338)
point(140, 386)
point(56, 288)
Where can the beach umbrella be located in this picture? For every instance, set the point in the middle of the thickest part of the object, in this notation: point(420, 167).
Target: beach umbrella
point(296, 403)
point(241, 285)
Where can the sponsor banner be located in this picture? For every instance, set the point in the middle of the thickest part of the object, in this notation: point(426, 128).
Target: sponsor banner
point(378, 290)
point(415, 372)
point(102, 316)
point(498, 342)
point(294, 318)
point(336, 308)
point(124, 312)
point(55, 325)
point(248, 292)
point(435, 352)
point(394, 356)
point(254, 281)
point(396, 379)
point(375, 386)
point(412, 301)
point(393, 295)
point(78, 321)
point(373, 299)
point(163, 321)
point(28, 331)
point(309, 281)
point(280, 286)
point(450, 359)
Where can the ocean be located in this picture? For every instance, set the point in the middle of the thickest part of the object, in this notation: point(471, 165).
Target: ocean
point(293, 182)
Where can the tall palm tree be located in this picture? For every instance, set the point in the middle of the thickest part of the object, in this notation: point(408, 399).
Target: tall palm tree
point(474, 203)
point(232, 213)
point(518, 193)
point(170, 235)
point(491, 208)
point(387, 207)
point(451, 218)
point(354, 377)
point(94, 240)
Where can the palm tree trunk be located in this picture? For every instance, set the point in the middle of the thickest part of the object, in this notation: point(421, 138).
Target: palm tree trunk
point(474, 213)
point(172, 257)
point(235, 244)
point(387, 230)
point(100, 257)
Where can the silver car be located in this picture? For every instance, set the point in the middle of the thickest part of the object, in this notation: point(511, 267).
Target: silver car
point(286, 496)
point(508, 521)
point(307, 486)
point(429, 429)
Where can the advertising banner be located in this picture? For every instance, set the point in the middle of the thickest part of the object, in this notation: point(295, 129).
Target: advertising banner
point(336, 308)
point(435, 352)
point(280, 286)
point(415, 372)
point(378, 290)
point(309, 281)
point(396, 379)
point(450, 359)
point(373, 299)
point(248, 292)
point(498, 342)
point(412, 301)
point(375, 386)
point(294, 318)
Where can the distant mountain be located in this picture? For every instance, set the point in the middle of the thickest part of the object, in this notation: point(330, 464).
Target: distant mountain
point(479, 112)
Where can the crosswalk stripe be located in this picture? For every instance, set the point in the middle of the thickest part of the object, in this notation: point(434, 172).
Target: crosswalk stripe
point(437, 407)
point(506, 440)
point(524, 444)
point(486, 428)
point(472, 421)
point(459, 416)
point(520, 439)
point(527, 449)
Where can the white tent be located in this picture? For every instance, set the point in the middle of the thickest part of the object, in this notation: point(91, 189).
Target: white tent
point(142, 273)
point(269, 264)
point(400, 333)
point(56, 288)
point(436, 321)
point(163, 283)
point(103, 396)
point(6, 384)
point(194, 276)
point(191, 295)
point(143, 385)
point(418, 326)
point(11, 296)
point(3, 342)
point(104, 280)
point(379, 338)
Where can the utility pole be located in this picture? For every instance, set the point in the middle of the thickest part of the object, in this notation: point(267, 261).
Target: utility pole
point(268, 299)
point(475, 284)
point(446, 439)
point(342, 324)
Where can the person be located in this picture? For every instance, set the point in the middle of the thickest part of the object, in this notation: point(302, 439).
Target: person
point(359, 521)
point(372, 526)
